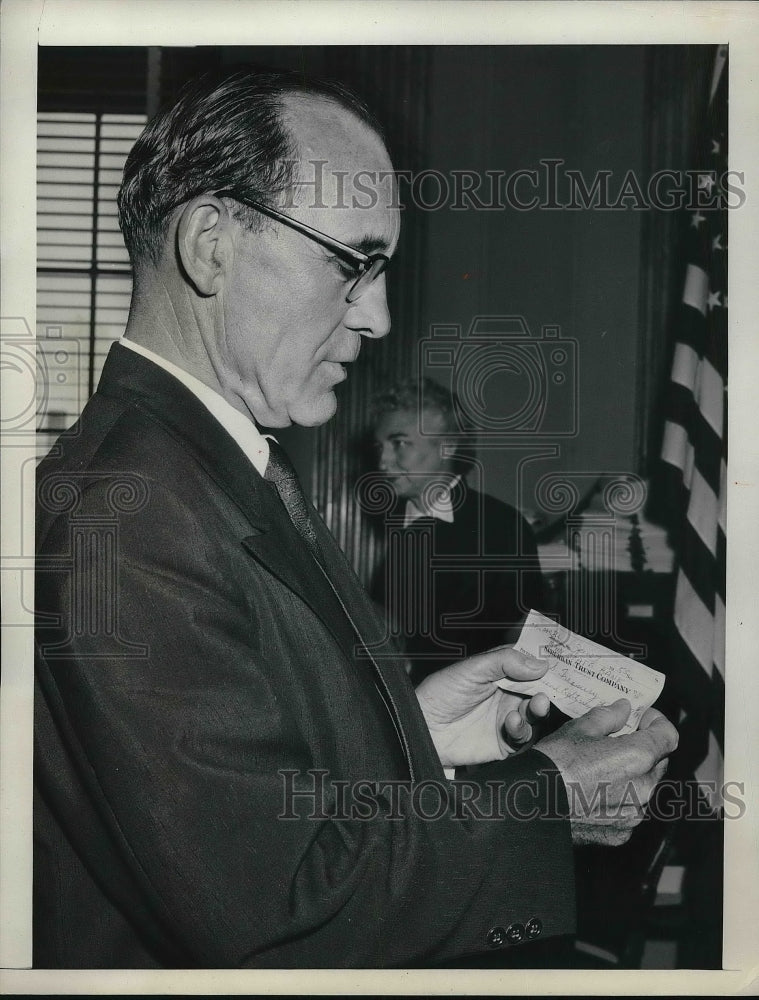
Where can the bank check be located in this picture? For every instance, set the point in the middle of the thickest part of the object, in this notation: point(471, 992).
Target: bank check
point(582, 674)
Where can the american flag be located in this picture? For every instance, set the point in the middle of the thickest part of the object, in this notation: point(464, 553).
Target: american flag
point(695, 450)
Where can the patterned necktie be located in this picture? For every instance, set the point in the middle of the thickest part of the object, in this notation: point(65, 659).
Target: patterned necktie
point(280, 471)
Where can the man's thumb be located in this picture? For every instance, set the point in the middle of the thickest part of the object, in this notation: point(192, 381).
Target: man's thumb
point(518, 666)
point(607, 719)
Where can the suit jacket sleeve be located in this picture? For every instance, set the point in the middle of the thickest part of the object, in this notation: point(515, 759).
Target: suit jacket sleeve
point(180, 723)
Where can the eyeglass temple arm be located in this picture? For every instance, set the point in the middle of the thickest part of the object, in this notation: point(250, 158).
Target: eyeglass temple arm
point(288, 220)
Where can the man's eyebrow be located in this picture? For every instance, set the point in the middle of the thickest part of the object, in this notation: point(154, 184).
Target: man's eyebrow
point(370, 245)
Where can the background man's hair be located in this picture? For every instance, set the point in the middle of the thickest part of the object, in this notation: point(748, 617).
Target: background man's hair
point(223, 131)
point(417, 394)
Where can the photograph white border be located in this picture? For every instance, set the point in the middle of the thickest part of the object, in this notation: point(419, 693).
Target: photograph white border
point(24, 24)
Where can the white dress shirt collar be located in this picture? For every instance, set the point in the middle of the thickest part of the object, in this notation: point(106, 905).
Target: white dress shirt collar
point(240, 428)
point(441, 508)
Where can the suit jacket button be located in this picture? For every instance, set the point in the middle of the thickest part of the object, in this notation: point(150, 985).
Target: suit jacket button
point(534, 927)
point(515, 933)
point(496, 937)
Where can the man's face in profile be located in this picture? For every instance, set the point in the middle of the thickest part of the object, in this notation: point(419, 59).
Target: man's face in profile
point(289, 331)
point(412, 461)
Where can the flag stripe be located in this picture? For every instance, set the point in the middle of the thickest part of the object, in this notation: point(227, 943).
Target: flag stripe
point(675, 446)
point(696, 444)
point(710, 395)
point(705, 774)
point(716, 343)
point(720, 576)
point(722, 516)
point(703, 698)
point(702, 511)
point(694, 690)
point(717, 705)
point(692, 330)
point(694, 621)
point(718, 653)
point(696, 291)
point(685, 366)
point(697, 562)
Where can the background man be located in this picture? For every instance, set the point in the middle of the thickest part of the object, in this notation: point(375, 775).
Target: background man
point(203, 642)
point(469, 587)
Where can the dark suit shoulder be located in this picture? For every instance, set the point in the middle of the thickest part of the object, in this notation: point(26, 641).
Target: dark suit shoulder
point(121, 461)
point(111, 443)
point(492, 505)
point(502, 525)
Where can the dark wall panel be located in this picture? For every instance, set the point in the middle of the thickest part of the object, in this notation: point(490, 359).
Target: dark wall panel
point(577, 270)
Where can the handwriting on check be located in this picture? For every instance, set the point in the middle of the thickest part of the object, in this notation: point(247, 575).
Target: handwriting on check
point(582, 674)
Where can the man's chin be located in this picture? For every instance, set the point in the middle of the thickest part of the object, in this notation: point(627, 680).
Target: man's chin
point(314, 412)
point(402, 487)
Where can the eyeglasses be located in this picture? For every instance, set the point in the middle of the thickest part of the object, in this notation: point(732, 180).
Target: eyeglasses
point(368, 266)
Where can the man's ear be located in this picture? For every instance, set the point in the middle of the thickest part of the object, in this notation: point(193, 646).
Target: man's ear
point(204, 243)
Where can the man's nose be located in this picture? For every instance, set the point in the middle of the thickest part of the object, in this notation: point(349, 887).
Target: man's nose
point(385, 457)
point(369, 314)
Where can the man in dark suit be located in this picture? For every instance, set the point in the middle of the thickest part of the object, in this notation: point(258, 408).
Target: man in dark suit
point(461, 568)
point(224, 775)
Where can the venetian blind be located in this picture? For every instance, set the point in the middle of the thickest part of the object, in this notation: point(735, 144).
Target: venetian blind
point(83, 274)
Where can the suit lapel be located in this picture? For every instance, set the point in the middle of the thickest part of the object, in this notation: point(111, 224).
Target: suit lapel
point(376, 649)
point(274, 541)
point(285, 555)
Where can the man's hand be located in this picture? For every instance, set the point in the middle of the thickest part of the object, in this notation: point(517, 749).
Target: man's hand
point(471, 720)
point(609, 781)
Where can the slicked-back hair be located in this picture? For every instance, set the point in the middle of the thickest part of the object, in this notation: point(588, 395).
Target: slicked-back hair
point(223, 132)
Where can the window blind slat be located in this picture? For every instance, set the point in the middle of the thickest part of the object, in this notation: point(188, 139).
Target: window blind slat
point(50, 191)
point(79, 315)
point(65, 144)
